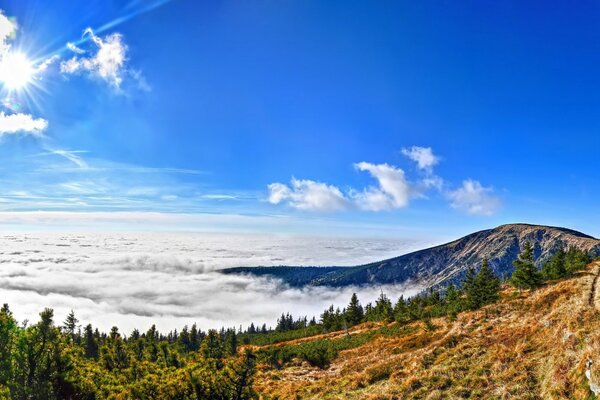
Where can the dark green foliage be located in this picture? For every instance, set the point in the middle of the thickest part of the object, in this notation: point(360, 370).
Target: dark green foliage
point(526, 275)
point(576, 260)
point(555, 267)
point(90, 343)
point(320, 353)
point(382, 311)
point(354, 312)
point(483, 288)
point(564, 263)
point(45, 362)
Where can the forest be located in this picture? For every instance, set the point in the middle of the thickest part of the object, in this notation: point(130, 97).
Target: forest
point(52, 360)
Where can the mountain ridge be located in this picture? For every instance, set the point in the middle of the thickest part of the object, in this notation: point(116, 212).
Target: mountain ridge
point(441, 264)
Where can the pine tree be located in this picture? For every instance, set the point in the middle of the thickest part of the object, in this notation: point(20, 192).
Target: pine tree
point(401, 311)
point(212, 346)
point(453, 300)
point(354, 312)
point(470, 288)
point(525, 275)
point(488, 285)
point(383, 308)
point(555, 267)
point(70, 325)
point(469, 280)
point(575, 260)
point(90, 342)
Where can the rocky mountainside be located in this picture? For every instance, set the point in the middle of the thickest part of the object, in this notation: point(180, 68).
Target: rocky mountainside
point(441, 264)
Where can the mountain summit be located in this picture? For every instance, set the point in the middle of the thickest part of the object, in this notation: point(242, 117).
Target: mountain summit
point(440, 264)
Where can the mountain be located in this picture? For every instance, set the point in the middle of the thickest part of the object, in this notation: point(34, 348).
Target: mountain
point(440, 264)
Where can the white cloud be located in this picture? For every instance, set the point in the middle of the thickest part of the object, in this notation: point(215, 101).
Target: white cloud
point(474, 199)
point(43, 66)
point(394, 191)
point(21, 123)
point(423, 156)
point(308, 195)
point(108, 63)
point(7, 30)
point(73, 47)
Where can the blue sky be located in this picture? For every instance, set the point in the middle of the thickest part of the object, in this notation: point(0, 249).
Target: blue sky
point(354, 118)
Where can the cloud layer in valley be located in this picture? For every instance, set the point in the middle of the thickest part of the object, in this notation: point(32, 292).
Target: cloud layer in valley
point(393, 190)
point(134, 280)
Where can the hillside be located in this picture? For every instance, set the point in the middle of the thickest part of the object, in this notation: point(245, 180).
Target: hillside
point(533, 345)
point(440, 264)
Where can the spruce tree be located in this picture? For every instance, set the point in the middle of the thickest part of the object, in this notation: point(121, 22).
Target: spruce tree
point(70, 325)
point(383, 308)
point(354, 312)
point(90, 342)
point(452, 300)
point(555, 267)
point(488, 285)
point(469, 286)
point(525, 275)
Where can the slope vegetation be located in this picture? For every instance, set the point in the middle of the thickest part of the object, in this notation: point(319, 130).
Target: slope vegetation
point(531, 345)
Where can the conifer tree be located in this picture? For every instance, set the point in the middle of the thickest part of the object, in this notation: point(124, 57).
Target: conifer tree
point(70, 325)
point(401, 311)
point(453, 300)
point(354, 312)
point(525, 275)
point(212, 346)
point(90, 343)
point(555, 267)
point(575, 260)
point(383, 309)
point(488, 285)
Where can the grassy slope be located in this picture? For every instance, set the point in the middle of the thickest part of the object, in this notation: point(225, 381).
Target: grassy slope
point(527, 346)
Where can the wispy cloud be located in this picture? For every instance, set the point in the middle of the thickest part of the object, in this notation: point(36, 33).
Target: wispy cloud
point(71, 155)
point(107, 63)
point(475, 199)
point(73, 47)
point(423, 156)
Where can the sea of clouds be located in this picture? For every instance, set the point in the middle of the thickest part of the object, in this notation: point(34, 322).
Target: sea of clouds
point(133, 280)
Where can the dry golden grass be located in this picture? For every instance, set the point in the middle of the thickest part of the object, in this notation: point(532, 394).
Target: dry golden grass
point(527, 346)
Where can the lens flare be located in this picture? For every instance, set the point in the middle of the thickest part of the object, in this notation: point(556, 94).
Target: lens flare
point(16, 71)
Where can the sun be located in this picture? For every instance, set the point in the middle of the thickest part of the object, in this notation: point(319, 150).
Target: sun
point(16, 71)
